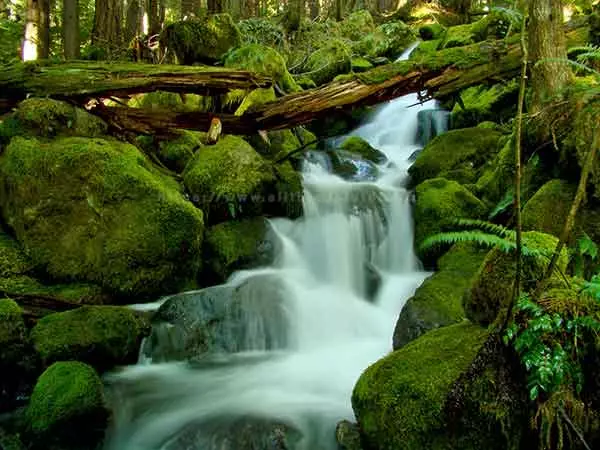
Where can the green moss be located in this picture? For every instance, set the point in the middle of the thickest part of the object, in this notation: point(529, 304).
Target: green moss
point(264, 61)
point(389, 39)
point(280, 143)
point(357, 24)
point(254, 99)
point(102, 336)
point(494, 25)
point(12, 325)
point(358, 146)
point(204, 40)
point(471, 148)
point(497, 103)
point(68, 404)
point(399, 400)
point(548, 209)
point(94, 210)
point(177, 152)
point(424, 49)
point(361, 64)
point(48, 118)
point(329, 61)
point(432, 31)
point(305, 82)
point(438, 301)
point(438, 203)
point(493, 285)
point(264, 31)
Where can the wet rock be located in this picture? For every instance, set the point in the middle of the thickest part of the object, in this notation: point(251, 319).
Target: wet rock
point(360, 147)
point(221, 319)
point(347, 435)
point(431, 123)
point(352, 167)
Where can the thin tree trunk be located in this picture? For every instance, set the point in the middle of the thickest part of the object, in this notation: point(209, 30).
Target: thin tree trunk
point(153, 17)
point(71, 29)
point(44, 30)
point(315, 9)
point(32, 31)
point(132, 20)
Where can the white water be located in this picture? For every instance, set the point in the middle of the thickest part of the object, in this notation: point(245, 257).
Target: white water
point(335, 332)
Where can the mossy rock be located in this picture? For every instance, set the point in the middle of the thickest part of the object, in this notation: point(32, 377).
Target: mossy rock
point(48, 118)
point(360, 64)
point(438, 203)
point(389, 40)
point(494, 25)
point(360, 147)
point(18, 363)
point(102, 336)
point(177, 152)
point(549, 207)
point(95, 210)
point(281, 143)
point(482, 103)
point(447, 154)
point(264, 61)
point(432, 31)
point(493, 285)
point(203, 40)
point(67, 407)
point(328, 62)
point(357, 24)
point(352, 167)
point(399, 400)
point(438, 302)
point(264, 31)
point(236, 245)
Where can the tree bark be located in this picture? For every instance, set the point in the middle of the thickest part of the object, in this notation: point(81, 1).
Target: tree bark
point(71, 29)
point(189, 7)
point(215, 6)
point(546, 44)
point(36, 43)
point(315, 8)
point(107, 33)
point(153, 17)
point(132, 20)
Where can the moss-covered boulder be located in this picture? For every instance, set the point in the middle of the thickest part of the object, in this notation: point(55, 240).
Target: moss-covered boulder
point(236, 245)
point(262, 60)
point(438, 203)
point(230, 180)
point(331, 60)
point(389, 40)
point(45, 117)
point(203, 40)
point(494, 25)
point(360, 147)
point(67, 407)
point(459, 155)
point(549, 207)
point(264, 31)
point(357, 24)
point(95, 210)
point(175, 153)
point(399, 401)
point(360, 64)
point(497, 103)
point(439, 300)
point(280, 143)
point(431, 31)
point(102, 336)
point(17, 359)
point(492, 286)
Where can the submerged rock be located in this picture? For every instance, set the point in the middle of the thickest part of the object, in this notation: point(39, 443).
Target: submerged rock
point(439, 300)
point(203, 40)
point(102, 336)
point(67, 407)
point(221, 319)
point(96, 210)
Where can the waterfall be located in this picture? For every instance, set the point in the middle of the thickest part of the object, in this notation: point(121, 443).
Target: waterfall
point(285, 380)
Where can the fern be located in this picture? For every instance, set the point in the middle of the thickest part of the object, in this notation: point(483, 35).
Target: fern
point(489, 227)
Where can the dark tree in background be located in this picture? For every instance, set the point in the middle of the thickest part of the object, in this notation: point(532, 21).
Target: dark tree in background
point(70, 29)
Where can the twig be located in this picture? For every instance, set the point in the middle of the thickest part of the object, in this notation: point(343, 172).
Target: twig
point(577, 432)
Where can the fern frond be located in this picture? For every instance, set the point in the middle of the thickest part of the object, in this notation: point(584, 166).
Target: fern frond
point(489, 227)
point(474, 236)
point(574, 64)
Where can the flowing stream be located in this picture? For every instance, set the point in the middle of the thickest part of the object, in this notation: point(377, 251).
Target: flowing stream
point(296, 335)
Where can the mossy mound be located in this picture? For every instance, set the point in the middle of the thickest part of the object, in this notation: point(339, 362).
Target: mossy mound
point(67, 407)
point(45, 117)
point(230, 180)
point(439, 300)
point(389, 40)
point(438, 203)
point(360, 147)
point(357, 24)
point(548, 209)
point(17, 359)
point(494, 25)
point(328, 62)
point(265, 61)
point(177, 152)
point(399, 400)
point(95, 210)
point(102, 336)
point(204, 40)
point(497, 103)
point(493, 285)
point(280, 143)
point(263, 31)
point(431, 31)
point(236, 245)
point(459, 155)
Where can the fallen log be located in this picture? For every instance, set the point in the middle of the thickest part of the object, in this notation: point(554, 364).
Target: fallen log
point(39, 305)
point(82, 80)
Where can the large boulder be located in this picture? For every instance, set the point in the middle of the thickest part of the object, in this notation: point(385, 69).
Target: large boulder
point(493, 285)
point(95, 210)
point(230, 180)
point(204, 40)
point(251, 315)
point(357, 24)
point(102, 336)
point(176, 152)
point(329, 61)
point(549, 207)
point(399, 400)
point(481, 103)
point(388, 40)
point(459, 155)
point(438, 203)
point(67, 407)
point(439, 300)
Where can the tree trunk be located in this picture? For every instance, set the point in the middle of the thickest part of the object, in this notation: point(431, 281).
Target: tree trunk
point(44, 30)
point(36, 44)
point(107, 33)
point(132, 20)
point(189, 7)
point(547, 41)
point(315, 8)
point(215, 6)
point(153, 17)
point(71, 29)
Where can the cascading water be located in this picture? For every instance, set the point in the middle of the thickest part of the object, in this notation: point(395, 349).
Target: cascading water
point(270, 359)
